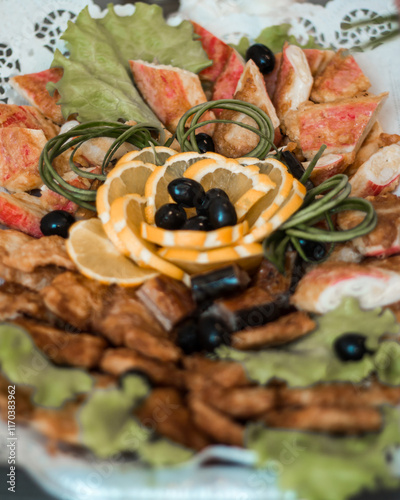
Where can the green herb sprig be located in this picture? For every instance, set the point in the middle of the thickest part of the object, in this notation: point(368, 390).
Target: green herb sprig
point(320, 204)
point(186, 136)
point(139, 135)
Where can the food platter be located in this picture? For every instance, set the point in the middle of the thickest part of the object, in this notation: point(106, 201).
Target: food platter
point(264, 195)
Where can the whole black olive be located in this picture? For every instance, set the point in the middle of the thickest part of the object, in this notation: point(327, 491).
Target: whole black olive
point(314, 250)
point(212, 333)
point(170, 216)
point(57, 223)
point(350, 347)
point(205, 143)
point(197, 223)
point(262, 56)
point(187, 337)
point(221, 213)
point(186, 192)
point(204, 205)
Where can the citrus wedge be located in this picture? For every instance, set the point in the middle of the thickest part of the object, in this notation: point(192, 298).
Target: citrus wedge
point(156, 190)
point(268, 205)
point(247, 256)
point(147, 155)
point(126, 216)
point(129, 177)
point(97, 258)
point(292, 203)
point(244, 186)
point(196, 240)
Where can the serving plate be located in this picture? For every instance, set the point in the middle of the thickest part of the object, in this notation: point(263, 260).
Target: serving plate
point(73, 476)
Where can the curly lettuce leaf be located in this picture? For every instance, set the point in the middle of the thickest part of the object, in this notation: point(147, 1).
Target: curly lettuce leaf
point(320, 466)
point(22, 363)
point(97, 82)
point(109, 428)
point(312, 359)
point(274, 38)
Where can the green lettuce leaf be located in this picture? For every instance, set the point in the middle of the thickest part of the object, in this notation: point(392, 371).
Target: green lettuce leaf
point(274, 38)
point(109, 428)
point(319, 466)
point(22, 363)
point(97, 82)
point(312, 359)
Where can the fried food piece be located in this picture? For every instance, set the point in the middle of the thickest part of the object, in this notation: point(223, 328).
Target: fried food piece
point(326, 419)
point(388, 139)
point(165, 411)
point(216, 425)
point(122, 360)
point(16, 300)
point(36, 280)
point(126, 321)
point(169, 300)
point(73, 349)
point(75, 299)
point(11, 241)
point(60, 424)
point(285, 329)
point(23, 212)
point(369, 147)
point(343, 395)
point(48, 250)
point(238, 402)
point(225, 373)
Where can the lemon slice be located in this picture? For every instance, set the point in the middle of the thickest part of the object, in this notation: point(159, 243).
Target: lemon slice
point(147, 155)
point(247, 256)
point(129, 177)
point(268, 205)
point(244, 186)
point(156, 190)
point(197, 240)
point(97, 258)
point(127, 214)
point(264, 228)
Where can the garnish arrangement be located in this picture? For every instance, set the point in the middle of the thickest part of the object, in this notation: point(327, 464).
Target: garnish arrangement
point(211, 229)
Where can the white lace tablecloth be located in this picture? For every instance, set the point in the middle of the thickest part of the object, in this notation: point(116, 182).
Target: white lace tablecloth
point(28, 38)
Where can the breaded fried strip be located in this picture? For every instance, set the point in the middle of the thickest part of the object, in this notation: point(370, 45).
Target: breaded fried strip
point(37, 280)
point(243, 402)
point(285, 329)
point(75, 299)
point(119, 361)
point(48, 250)
point(75, 349)
point(340, 395)
point(60, 424)
point(127, 322)
point(164, 411)
point(169, 300)
point(16, 300)
point(215, 424)
point(11, 240)
point(326, 419)
point(225, 373)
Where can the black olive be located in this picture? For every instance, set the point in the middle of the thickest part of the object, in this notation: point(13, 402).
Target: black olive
point(350, 347)
point(205, 143)
point(186, 192)
point(212, 333)
point(197, 223)
point(295, 167)
point(204, 205)
point(221, 213)
point(314, 250)
point(170, 216)
point(262, 56)
point(187, 337)
point(219, 282)
point(57, 223)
